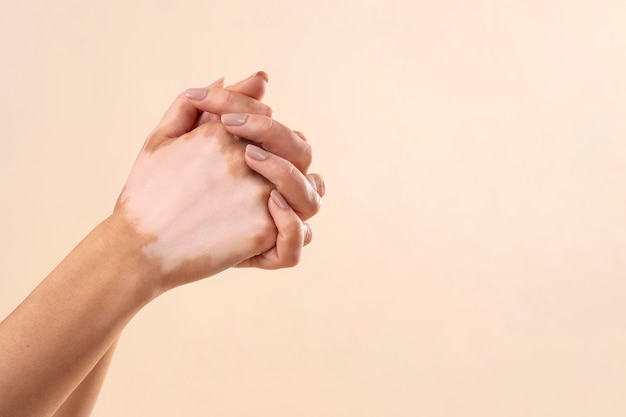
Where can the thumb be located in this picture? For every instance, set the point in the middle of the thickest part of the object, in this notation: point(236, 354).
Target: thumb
point(179, 119)
point(253, 86)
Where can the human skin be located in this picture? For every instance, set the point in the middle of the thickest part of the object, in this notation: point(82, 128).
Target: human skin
point(192, 187)
point(272, 136)
point(82, 400)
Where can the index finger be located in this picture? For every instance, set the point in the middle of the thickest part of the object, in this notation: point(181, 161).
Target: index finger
point(272, 136)
point(219, 101)
point(253, 86)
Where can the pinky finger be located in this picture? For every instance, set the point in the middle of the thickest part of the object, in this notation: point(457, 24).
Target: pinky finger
point(308, 234)
point(292, 236)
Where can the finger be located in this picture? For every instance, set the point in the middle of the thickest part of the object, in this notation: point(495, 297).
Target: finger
point(308, 235)
point(179, 119)
point(301, 135)
point(271, 136)
point(292, 236)
point(206, 117)
point(253, 86)
point(299, 191)
point(317, 181)
point(219, 101)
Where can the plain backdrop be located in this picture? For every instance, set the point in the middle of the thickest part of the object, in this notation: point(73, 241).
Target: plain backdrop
point(470, 256)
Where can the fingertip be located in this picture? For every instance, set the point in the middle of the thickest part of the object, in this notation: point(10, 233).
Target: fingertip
point(254, 86)
point(257, 153)
point(196, 94)
point(263, 75)
point(234, 119)
point(308, 234)
point(300, 135)
point(318, 183)
point(219, 83)
point(278, 198)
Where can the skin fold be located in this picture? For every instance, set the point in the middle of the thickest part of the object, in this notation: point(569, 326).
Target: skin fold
point(198, 200)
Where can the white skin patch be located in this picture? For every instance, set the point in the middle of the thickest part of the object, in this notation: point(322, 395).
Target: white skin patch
point(195, 198)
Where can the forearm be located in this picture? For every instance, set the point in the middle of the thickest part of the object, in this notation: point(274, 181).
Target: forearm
point(53, 340)
point(198, 206)
point(81, 401)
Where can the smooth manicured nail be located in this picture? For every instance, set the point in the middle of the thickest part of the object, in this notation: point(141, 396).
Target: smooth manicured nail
point(257, 153)
point(196, 93)
point(279, 199)
point(234, 119)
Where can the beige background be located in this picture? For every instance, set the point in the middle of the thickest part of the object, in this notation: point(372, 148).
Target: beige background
point(470, 257)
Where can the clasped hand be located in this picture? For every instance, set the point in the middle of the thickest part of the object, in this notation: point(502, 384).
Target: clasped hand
point(220, 183)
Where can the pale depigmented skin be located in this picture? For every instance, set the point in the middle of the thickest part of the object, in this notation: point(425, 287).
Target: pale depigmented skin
point(197, 206)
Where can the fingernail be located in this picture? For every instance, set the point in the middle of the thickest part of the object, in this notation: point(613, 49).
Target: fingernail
point(279, 199)
point(196, 93)
point(234, 119)
point(264, 75)
point(257, 153)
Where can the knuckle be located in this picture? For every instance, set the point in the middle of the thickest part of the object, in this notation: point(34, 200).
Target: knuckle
point(211, 94)
point(294, 228)
point(219, 98)
point(267, 125)
point(229, 98)
point(292, 259)
point(315, 202)
point(311, 205)
point(308, 234)
point(307, 155)
point(318, 183)
point(287, 171)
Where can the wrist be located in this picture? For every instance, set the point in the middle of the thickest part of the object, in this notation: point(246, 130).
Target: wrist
point(122, 249)
point(73, 316)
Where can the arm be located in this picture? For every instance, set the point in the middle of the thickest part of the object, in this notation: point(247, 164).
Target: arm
point(63, 328)
point(82, 400)
point(152, 242)
point(285, 144)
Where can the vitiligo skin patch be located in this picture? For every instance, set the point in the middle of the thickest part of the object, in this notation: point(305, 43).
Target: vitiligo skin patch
point(197, 206)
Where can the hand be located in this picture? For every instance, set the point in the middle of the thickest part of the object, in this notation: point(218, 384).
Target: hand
point(195, 207)
point(192, 206)
point(292, 151)
point(242, 96)
point(302, 193)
